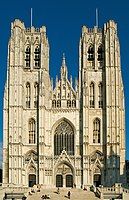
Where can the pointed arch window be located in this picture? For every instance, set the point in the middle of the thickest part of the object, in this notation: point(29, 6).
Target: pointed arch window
point(68, 103)
point(100, 97)
point(27, 57)
point(91, 53)
point(36, 94)
point(74, 103)
point(64, 139)
point(37, 57)
point(53, 103)
point(58, 95)
point(28, 95)
point(32, 128)
point(58, 103)
point(100, 53)
point(96, 131)
point(92, 95)
point(68, 95)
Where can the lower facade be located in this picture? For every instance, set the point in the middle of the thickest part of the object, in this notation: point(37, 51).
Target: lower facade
point(66, 171)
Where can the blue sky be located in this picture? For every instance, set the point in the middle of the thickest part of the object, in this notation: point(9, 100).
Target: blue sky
point(64, 19)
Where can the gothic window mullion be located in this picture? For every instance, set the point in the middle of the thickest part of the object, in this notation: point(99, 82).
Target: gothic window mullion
point(69, 144)
point(35, 94)
point(28, 93)
point(27, 57)
point(59, 144)
point(54, 143)
point(73, 143)
point(37, 57)
point(65, 139)
point(100, 53)
point(62, 142)
point(91, 53)
point(57, 147)
point(92, 95)
point(96, 131)
point(34, 133)
point(32, 136)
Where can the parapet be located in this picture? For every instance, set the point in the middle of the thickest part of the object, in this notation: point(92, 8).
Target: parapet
point(110, 24)
point(86, 30)
point(20, 24)
point(17, 23)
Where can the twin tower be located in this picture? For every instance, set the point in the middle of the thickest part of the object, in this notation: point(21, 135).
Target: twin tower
point(64, 136)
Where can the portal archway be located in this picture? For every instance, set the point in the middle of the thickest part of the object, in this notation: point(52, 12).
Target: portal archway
point(31, 176)
point(97, 176)
point(96, 160)
point(97, 180)
point(64, 176)
point(32, 180)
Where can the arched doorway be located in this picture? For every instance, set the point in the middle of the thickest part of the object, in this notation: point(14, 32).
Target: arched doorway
point(31, 176)
point(59, 180)
point(32, 180)
point(96, 160)
point(97, 180)
point(64, 176)
point(69, 180)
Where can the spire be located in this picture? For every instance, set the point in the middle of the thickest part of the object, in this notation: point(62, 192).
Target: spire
point(63, 69)
point(63, 60)
point(31, 18)
point(97, 20)
point(56, 80)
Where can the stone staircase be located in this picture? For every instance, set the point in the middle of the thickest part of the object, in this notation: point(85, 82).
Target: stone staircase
point(35, 193)
point(76, 194)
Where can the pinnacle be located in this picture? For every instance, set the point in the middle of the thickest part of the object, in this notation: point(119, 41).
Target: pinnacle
point(63, 60)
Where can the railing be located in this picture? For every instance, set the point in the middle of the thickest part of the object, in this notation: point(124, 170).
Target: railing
point(98, 193)
point(35, 30)
point(91, 30)
point(16, 189)
point(116, 191)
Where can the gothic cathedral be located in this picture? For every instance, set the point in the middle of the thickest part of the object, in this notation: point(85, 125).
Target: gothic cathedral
point(64, 135)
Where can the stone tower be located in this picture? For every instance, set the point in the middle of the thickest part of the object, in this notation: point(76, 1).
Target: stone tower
point(63, 136)
point(28, 61)
point(102, 105)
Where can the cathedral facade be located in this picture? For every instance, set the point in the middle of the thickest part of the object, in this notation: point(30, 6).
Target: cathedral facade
point(64, 136)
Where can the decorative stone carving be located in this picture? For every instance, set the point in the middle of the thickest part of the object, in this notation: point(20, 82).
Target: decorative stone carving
point(32, 170)
point(31, 155)
point(96, 155)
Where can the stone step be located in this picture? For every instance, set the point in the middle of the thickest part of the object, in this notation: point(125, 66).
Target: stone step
point(76, 194)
